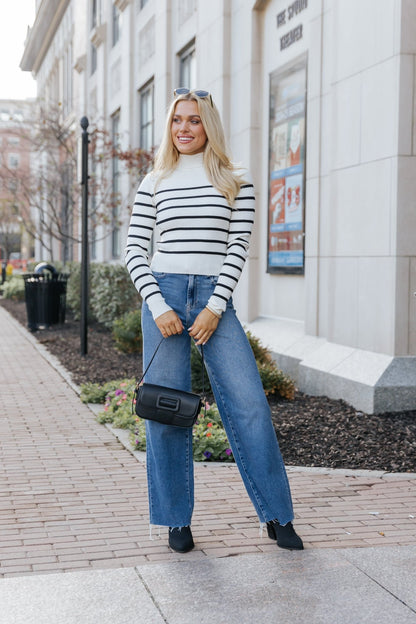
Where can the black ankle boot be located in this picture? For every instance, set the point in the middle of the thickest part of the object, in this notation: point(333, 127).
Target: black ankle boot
point(285, 536)
point(180, 539)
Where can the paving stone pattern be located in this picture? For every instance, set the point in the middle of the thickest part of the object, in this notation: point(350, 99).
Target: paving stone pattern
point(72, 497)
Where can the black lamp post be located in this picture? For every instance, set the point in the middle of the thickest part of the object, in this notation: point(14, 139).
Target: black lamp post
point(84, 239)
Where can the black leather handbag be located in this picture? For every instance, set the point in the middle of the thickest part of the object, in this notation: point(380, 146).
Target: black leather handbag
point(167, 405)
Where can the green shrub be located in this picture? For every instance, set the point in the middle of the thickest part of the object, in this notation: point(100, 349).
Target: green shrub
point(273, 379)
point(118, 406)
point(14, 288)
point(127, 332)
point(96, 393)
point(210, 442)
point(138, 435)
point(73, 289)
point(92, 393)
point(112, 293)
point(196, 371)
point(262, 354)
point(276, 382)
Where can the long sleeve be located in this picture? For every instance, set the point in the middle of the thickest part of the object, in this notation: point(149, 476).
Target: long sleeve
point(142, 224)
point(241, 225)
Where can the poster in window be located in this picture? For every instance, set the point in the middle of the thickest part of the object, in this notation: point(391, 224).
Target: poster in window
point(286, 211)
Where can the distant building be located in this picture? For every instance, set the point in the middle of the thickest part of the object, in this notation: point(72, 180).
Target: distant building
point(15, 164)
point(317, 99)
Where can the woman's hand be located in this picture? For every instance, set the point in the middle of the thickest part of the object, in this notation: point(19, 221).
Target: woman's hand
point(169, 324)
point(204, 326)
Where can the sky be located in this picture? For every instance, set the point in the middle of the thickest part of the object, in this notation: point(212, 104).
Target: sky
point(15, 17)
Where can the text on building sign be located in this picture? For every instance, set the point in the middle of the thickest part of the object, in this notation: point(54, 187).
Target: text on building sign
point(291, 11)
point(291, 37)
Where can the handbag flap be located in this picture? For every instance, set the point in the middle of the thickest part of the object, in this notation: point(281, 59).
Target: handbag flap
point(167, 405)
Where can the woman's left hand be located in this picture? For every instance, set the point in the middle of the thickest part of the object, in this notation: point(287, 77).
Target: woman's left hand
point(204, 326)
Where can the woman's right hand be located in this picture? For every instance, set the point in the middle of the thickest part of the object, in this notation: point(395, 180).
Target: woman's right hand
point(169, 324)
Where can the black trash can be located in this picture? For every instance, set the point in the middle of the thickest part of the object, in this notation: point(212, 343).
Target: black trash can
point(45, 294)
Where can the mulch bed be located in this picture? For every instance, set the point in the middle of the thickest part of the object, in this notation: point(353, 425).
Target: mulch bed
point(312, 431)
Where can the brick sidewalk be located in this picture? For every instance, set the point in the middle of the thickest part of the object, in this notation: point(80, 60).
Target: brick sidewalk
point(72, 497)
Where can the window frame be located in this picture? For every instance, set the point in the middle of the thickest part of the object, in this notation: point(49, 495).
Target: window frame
point(94, 59)
point(13, 160)
point(147, 91)
point(116, 18)
point(115, 188)
point(94, 13)
point(187, 66)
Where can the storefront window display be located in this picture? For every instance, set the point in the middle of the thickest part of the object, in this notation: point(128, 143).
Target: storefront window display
point(287, 169)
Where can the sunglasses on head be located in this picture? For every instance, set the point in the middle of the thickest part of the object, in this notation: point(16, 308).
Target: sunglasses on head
point(200, 93)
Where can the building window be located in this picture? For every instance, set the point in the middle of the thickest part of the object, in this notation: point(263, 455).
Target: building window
point(116, 24)
point(187, 67)
point(93, 211)
point(94, 14)
point(12, 140)
point(14, 161)
point(93, 59)
point(67, 80)
point(146, 117)
point(115, 183)
point(66, 214)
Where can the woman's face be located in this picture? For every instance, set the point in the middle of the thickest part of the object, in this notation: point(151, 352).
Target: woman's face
point(188, 134)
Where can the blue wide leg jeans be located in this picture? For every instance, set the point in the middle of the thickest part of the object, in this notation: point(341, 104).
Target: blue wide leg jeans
point(240, 398)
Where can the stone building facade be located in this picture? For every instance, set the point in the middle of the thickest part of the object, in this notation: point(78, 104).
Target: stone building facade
point(317, 98)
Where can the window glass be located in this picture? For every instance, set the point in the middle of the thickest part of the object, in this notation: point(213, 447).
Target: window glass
point(146, 117)
point(187, 68)
point(94, 13)
point(14, 161)
point(115, 177)
point(93, 59)
point(116, 24)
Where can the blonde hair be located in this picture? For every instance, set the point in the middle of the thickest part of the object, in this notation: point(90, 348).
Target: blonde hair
point(220, 170)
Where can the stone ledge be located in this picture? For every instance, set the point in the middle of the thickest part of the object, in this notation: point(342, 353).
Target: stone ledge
point(371, 382)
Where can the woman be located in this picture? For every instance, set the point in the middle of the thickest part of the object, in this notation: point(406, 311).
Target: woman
point(204, 210)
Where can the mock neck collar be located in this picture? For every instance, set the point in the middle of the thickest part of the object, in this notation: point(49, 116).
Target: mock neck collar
point(189, 161)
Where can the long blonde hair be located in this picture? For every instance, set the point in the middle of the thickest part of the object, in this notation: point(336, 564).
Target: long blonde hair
point(220, 170)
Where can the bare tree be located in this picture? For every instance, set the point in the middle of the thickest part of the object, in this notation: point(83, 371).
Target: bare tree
point(48, 196)
point(9, 228)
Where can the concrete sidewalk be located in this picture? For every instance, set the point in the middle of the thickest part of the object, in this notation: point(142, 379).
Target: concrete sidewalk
point(73, 498)
point(350, 586)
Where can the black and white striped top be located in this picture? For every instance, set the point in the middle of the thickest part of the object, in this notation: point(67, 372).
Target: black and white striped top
point(198, 232)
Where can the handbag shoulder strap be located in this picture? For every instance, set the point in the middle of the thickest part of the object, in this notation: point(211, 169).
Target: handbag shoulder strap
point(151, 360)
point(154, 355)
point(148, 366)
